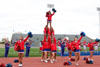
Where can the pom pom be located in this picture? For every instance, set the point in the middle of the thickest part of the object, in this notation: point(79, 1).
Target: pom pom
point(16, 61)
point(53, 10)
point(9, 65)
point(72, 59)
point(2, 65)
point(82, 34)
point(90, 62)
point(69, 63)
point(30, 34)
point(97, 40)
point(66, 63)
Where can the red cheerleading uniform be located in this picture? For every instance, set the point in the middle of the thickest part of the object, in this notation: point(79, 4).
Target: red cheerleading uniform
point(41, 48)
point(52, 32)
point(53, 45)
point(75, 45)
point(46, 32)
point(20, 44)
point(49, 16)
point(46, 45)
point(91, 45)
point(68, 45)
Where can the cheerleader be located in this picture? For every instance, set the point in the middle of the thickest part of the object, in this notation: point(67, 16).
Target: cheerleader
point(75, 47)
point(91, 48)
point(63, 43)
point(46, 49)
point(49, 16)
point(19, 46)
point(69, 47)
point(46, 32)
point(53, 50)
point(42, 50)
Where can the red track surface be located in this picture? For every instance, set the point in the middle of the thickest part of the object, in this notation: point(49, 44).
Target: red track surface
point(35, 62)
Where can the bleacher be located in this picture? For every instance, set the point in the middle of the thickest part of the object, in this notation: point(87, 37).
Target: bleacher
point(39, 37)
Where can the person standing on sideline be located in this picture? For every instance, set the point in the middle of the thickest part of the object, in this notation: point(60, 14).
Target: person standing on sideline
point(62, 47)
point(28, 46)
point(7, 46)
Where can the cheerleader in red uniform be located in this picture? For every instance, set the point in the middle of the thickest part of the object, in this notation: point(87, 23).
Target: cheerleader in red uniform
point(46, 32)
point(46, 49)
point(19, 46)
point(69, 47)
point(75, 47)
point(49, 16)
point(41, 48)
point(53, 50)
point(91, 48)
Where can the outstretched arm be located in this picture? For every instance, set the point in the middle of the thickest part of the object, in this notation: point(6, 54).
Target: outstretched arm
point(80, 38)
point(26, 39)
point(53, 14)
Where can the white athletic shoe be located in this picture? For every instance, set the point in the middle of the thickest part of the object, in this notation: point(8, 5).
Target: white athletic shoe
point(54, 60)
point(69, 59)
point(20, 65)
point(77, 64)
point(51, 61)
point(45, 61)
point(42, 60)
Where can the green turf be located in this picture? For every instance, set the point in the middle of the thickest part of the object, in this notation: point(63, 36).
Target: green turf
point(34, 52)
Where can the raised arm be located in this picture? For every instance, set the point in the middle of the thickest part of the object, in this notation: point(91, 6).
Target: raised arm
point(80, 38)
point(53, 14)
point(29, 35)
point(26, 39)
point(82, 35)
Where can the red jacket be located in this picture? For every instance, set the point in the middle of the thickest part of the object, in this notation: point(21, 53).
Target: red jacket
point(46, 45)
point(46, 32)
point(49, 17)
point(76, 44)
point(53, 45)
point(68, 45)
point(91, 45)
point(21, 44)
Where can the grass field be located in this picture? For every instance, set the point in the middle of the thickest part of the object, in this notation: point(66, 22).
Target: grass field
point(34, 52)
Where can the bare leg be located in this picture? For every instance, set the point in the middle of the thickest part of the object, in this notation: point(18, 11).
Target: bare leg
point(19, 56)
point(45, 57)
point(70, 54)
point(78, 56)
point(42, 55)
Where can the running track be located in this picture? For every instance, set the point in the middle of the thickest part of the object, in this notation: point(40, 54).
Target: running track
point(35, 62)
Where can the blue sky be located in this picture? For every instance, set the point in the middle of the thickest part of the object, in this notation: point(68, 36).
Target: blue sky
point(72, 17)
